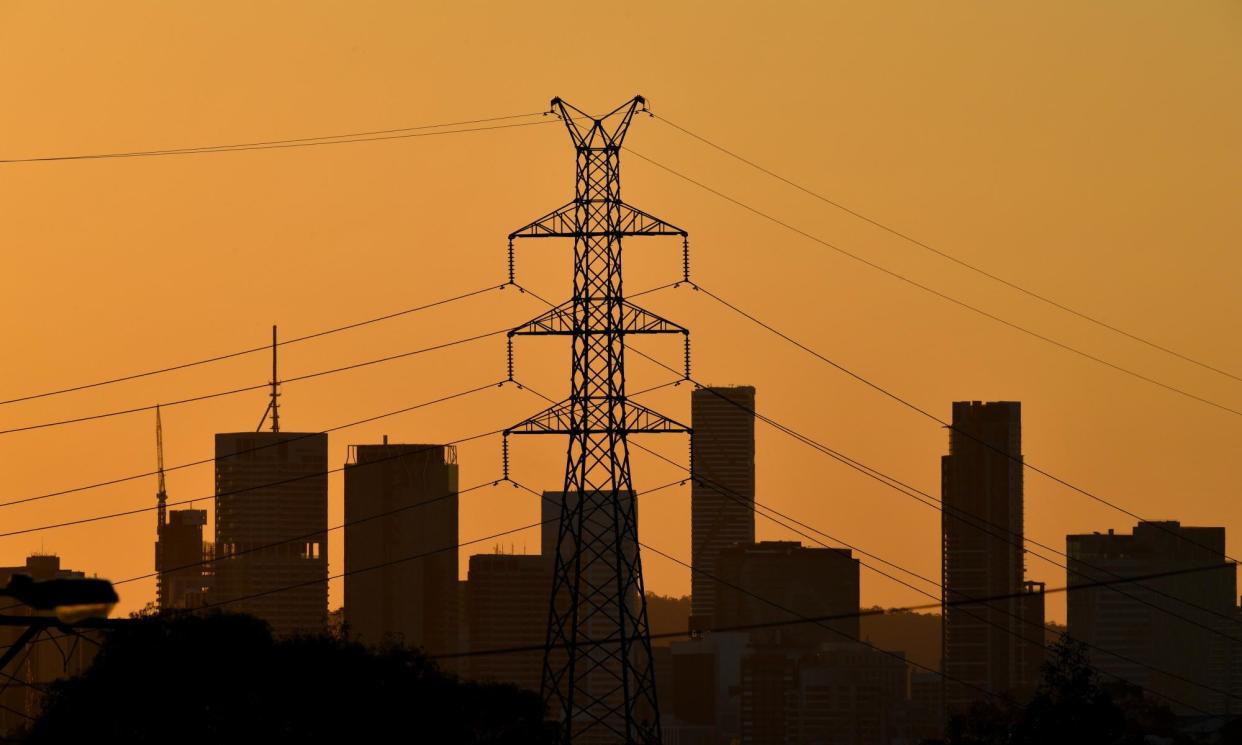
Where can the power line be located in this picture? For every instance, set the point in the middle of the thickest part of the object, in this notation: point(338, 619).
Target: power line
point(948, 425)
point(861, 613)
point(404, 559)
point(204, 461)
point(252, 350)
point(928, 500)
point(931, 501)
point(295, 539)
point(938, 293)
point(774, 604)
point(755, 506)
point(246, 451)
point(230, 392)
point(341, 139)
point(324, 532)
point(949, 257)
point(256, 487)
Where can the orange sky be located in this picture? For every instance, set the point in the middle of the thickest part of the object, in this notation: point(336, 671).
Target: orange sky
point(1087, 151)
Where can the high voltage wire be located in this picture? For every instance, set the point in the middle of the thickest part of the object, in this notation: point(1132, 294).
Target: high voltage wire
point(230, 392)
point(255, 487)
point(948, 425)
point(984, 525)
point(783, 608)
point(341, 139)
point(246, 451)
point(931, 501)
point(947, 256)
point(755, 506)
point(895, 655)
point(204, 461)
point(895, 484)
point(861, 613)
point(252, 350)
point(404, 559)
point(290, 143)
point(931, 290)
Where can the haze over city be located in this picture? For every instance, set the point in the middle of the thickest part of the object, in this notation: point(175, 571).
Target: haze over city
point(924, 205)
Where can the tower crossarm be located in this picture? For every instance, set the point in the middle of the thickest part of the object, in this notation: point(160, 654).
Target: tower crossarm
point(631, 221)
point(633, 320)
point(567, 418)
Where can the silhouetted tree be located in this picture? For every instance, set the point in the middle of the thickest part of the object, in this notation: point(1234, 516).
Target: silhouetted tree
point(1071, 705)
point(223, 678)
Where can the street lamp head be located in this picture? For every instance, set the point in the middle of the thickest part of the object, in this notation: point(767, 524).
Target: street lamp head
point(68, 598)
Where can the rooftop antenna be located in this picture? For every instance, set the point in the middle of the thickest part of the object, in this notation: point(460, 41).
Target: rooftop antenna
point(161, 494)
point(273, 407)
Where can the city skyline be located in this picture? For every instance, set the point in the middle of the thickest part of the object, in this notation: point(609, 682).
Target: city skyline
point(1093, 427)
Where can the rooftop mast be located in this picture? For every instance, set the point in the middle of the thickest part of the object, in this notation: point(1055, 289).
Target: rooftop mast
point(273, 406)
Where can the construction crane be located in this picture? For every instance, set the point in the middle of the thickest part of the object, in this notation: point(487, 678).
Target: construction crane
point(161, 494)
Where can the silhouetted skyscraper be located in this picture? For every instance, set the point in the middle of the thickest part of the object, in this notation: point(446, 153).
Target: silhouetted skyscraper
point(391, 596)
point(271, 528)
point(507, 604)
point(181, 582)
point(1163, 623)
point(986, 646)
point(807, 581)
point(723, 506)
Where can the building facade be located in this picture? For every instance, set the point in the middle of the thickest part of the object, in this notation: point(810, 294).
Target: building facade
point(271, 528)
point(1164, 632)
point(803, 582)
point(989, 646)
point(180, 560)
point(507, 606)
point(722, 497)
point(401, 527)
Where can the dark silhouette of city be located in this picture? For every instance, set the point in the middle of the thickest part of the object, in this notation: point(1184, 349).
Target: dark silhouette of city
point(569, 644)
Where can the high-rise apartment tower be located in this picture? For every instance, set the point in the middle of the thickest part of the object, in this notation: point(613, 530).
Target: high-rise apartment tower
point(722, 498)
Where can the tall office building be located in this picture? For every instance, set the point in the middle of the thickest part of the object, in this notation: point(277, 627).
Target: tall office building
point(1180, 625)
point(401, 503)
point(990, 646)
point(271, 528)
point(808, 582)
point(722, 499)
point(179, 559)
point(507, 606)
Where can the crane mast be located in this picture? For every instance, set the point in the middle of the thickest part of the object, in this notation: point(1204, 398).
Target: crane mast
point(161, 494)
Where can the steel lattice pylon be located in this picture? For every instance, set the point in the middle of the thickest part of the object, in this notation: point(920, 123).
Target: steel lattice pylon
point(598, 676)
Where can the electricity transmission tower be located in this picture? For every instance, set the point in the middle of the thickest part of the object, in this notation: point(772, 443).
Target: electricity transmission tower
point(598, 676)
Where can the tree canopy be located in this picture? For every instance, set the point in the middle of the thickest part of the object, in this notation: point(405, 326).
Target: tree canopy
point(223, 678)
